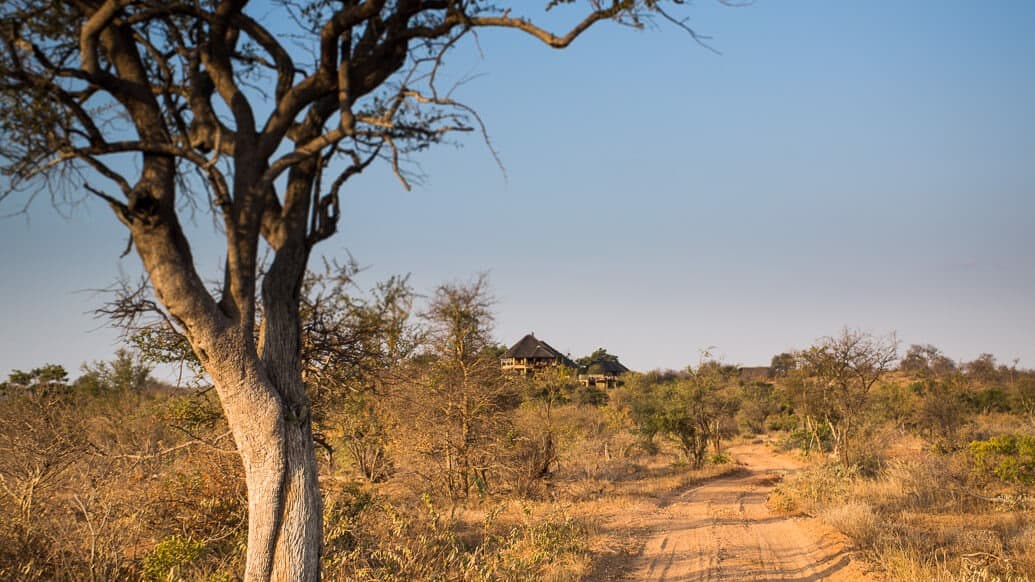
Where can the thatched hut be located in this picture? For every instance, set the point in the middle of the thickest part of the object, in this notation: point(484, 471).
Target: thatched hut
point(531, 354)
point(603, 373)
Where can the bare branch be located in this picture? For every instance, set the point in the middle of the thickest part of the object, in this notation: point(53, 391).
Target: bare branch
point(325, 211)
point(547, 37)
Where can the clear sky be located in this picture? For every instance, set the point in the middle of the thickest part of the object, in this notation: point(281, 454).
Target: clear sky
point(859, 163)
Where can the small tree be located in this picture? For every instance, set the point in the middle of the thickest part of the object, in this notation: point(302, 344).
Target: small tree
point(598, 355)
point(757, 402)
point(686, 418)
point(806, 396)
point(126, 374)
point(925, 361)
point(352, 344)
point(365, 436)
point(722, 381)
point(844, 370)
point(534, 447)
point(782, 364)
point(641, 396)
point(983, 369)
point(1025, 395)
point(457, 397)
point(941, 409)
point(694, 409)
point(44, 379)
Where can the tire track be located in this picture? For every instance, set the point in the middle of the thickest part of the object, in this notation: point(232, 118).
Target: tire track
point(722, 530)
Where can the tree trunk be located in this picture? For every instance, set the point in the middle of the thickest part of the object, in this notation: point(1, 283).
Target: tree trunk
point(274, 438)
point(299, 535)
point(260, 387)
point(840, 435)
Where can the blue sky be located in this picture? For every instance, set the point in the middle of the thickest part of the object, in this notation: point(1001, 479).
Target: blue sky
point(869, 164)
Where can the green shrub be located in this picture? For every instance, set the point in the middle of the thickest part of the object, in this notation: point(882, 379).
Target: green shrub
point(168, 559)
point(343, 513)
point(785, 420)
point(589, 396)
point(992, 399)
point(1009, 458)
point(719, 459)
point(193, 412)
point(530, 549)
point(806, 441)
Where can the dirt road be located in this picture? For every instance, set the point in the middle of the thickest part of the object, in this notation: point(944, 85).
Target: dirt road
point(722, 530)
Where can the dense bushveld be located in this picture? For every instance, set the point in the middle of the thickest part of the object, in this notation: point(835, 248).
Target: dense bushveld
point(942, 488)
point(436, 465)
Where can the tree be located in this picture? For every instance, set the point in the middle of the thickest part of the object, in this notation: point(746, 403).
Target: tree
point(598, 355)
point(983, 369)
point(940, 413)
point(46, 378)
point(127, 373)
point(534, 449)
point(351, 342)
point(757, 403)
point(645, 407)
point(692, 409)
point(1025, 397)
point(925, 361)
point(720, 380)
point(781, 365)
point(844, 369)
point(457, 399)
point(158, 107)
point(805, 395)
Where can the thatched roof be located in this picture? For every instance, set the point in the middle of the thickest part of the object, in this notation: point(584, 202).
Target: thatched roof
point(531, 348)
point(605, 367)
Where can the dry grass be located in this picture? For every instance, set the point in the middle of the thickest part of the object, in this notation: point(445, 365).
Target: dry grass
point(574, 526)
point(856, 520)
point(134, 510)
point(922, 518)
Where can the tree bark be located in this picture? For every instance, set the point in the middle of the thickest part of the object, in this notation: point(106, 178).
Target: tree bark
point(260, 386)
point(296, 554)
point(268, 412)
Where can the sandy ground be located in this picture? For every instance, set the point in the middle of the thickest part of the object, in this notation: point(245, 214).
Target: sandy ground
point(722, 530)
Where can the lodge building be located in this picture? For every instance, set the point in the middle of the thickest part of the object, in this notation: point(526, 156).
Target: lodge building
point(530, 354)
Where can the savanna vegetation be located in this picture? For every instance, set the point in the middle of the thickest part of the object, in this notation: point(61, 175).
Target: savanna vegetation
point(434, 464)
point(927, 466)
